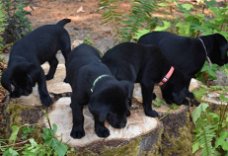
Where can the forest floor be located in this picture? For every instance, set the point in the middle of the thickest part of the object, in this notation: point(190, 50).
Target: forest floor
point(86, 21)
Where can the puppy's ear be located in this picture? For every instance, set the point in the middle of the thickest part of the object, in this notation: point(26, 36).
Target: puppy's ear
point(23, 67)
point(100, 113)
point(223, 46)
point(128, 86)
point(6, 80)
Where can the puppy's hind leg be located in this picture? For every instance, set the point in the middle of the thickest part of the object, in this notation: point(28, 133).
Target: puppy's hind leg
point(147, 94)
point(65, 48)
point(65, 45)
point(53, 65)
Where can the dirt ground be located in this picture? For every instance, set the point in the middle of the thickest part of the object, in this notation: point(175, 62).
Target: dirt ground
point(86, 20)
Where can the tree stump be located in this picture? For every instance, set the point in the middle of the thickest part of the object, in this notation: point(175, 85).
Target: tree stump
point(141, 136)
point(4, 101)
point(4, 117)
point(177, 137)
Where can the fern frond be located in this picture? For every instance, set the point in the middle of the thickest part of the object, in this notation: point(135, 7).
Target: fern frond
point(110, 13)
point(204, 136)
point(129, 22)
point(139, 17)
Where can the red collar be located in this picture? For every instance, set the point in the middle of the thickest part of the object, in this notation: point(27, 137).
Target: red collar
point(167, 76)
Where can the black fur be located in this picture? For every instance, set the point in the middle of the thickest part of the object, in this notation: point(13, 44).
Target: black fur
point(147, 66)
point(109, 99)
point(29, 53)
point(187, 54)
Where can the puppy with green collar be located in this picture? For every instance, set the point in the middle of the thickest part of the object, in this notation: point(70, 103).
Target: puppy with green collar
point(92, 83)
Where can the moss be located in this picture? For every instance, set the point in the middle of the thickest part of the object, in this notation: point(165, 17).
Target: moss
point(4, 119)
point(130, 149)
point(181, 145)
point(174, 106)
point(147, 145)
point(24, 114)
point(178, 141)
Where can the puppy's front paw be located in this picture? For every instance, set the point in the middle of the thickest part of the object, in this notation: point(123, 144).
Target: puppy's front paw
point(46, 100)
point(66, 80)
point(102, 132)
point(49, 77)
point(77, 133)
point(151, 113)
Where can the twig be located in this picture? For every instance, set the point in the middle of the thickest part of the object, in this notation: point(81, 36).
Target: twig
point(15, 144)
point(48, 120)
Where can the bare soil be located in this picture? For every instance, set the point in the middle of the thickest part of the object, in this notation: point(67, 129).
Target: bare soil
point(86, 20)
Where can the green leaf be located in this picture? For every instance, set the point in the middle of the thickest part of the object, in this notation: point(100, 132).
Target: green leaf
point(60, 149)
point(26, 131)
point(34, 149)
point(195, 147)
point(187, 6)
point(48, 133)
point(183, 28)
point(162, 4)
point(13, 136)
point(141, 32)
point(222, 140)
point(165, 26)
point(223, 98)
point(158, 102)
point(198, 111)
point(174, 106)
point(200, 92)
point(10, 152)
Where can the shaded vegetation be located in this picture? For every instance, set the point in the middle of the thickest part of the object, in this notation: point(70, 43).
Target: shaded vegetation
point(137, 18)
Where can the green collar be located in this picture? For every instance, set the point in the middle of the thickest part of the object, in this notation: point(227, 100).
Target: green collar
point(96, 80)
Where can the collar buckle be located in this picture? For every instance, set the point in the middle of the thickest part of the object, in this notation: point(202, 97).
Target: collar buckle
point(167, 76)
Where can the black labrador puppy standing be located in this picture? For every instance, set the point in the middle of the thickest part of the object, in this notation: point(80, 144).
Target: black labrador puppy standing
point(189, 54)
point(29, 53)
point(92, 82)
point(147, 66)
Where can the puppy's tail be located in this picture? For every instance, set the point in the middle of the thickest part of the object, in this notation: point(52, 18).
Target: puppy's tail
point(63, 22)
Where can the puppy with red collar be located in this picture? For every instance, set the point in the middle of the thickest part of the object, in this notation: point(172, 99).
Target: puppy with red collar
point(146, 65)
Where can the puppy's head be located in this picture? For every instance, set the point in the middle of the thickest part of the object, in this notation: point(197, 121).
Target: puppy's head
point(17, 80)
point(219, 54)
point(176, 89)
point(172, 95)
point(111, 104)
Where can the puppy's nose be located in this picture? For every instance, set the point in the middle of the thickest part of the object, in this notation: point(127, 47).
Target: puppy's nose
point(14, 95)
point(123, 124)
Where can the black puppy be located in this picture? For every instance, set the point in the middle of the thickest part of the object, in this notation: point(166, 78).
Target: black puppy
point(189, 54)
point(92, 82)
point(147, 66)
point(29, 53)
